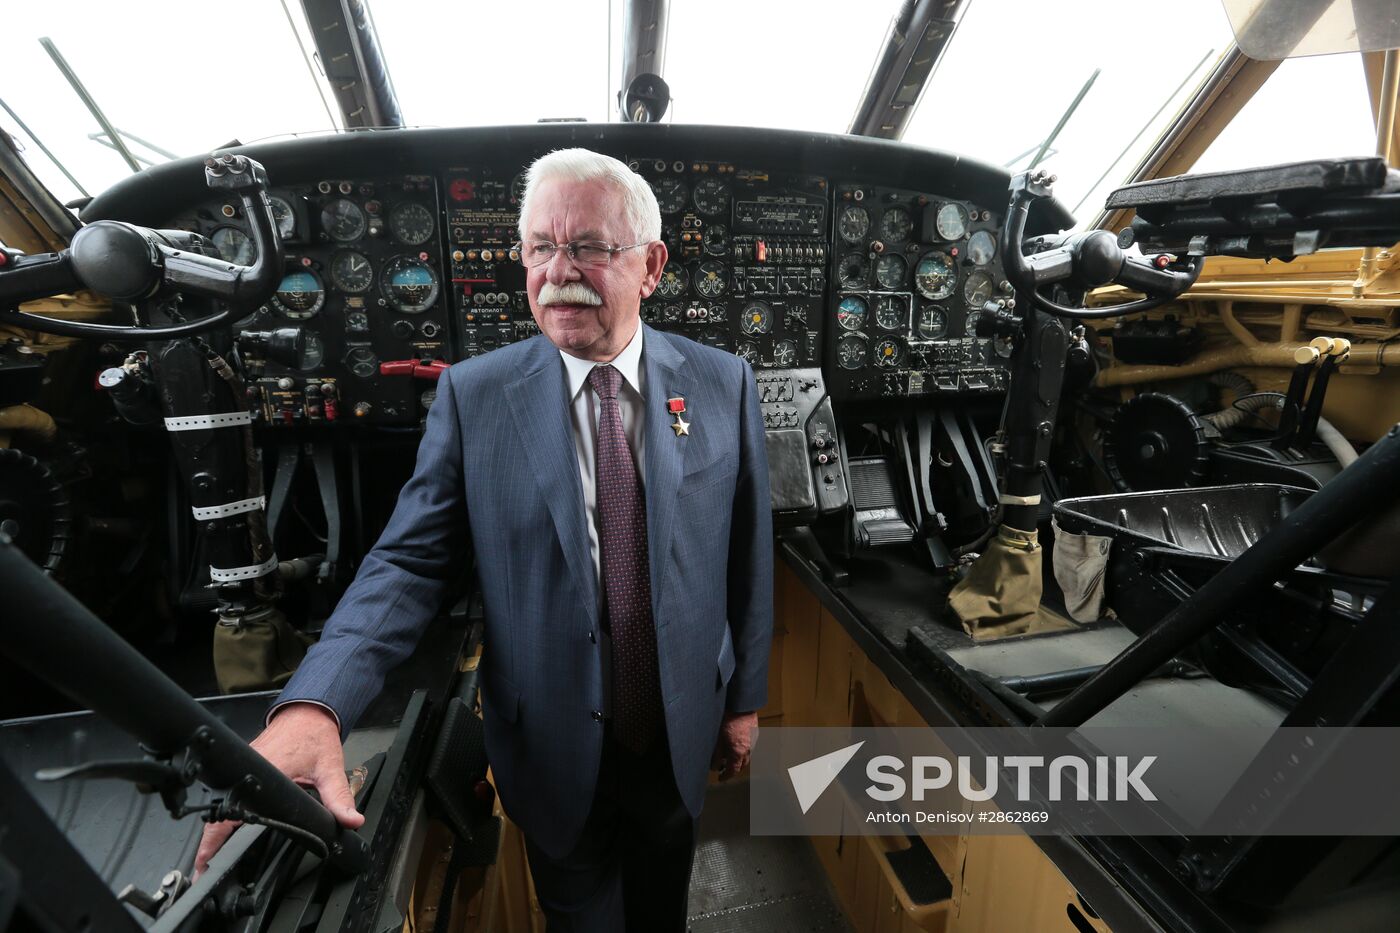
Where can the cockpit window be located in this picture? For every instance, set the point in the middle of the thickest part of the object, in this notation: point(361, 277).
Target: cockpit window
point(172, 76)
point(1271, 128)
point(1014, 68)
point(800, 66)
point(487, 64)
point(174, 85)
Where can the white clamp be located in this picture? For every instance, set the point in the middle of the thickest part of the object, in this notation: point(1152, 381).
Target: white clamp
point(202, 422)
point(233, 574)
point(207, 512)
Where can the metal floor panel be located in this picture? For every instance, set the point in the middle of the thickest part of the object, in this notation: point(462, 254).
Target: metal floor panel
point(755, 884)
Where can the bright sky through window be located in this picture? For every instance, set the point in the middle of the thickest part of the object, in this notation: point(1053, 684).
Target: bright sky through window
point(165, 76)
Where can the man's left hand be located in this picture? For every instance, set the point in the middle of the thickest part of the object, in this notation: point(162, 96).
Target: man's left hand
point(736, 738)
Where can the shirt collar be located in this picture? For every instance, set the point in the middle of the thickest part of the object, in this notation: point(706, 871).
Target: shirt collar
point(628, 362)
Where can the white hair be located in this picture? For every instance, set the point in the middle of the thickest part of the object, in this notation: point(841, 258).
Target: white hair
point(639, 207)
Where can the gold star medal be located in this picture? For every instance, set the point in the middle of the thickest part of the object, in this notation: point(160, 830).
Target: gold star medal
point(676, 406)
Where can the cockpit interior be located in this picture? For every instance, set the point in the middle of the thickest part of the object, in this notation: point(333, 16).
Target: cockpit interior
point(1074, 333)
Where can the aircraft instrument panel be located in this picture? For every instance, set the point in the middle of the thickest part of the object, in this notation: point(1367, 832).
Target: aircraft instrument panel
point(795, 261)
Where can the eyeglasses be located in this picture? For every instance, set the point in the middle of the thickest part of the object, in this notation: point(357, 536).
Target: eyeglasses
point(585, 253)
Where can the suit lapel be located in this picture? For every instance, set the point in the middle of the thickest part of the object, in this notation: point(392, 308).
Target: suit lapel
point(538, 404)
point(665, 453)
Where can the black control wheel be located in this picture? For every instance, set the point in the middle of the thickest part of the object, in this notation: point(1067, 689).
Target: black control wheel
point(1084, 260)
point(130, 263)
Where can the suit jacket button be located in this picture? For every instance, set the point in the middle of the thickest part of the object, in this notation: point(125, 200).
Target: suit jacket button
point(597, 715)
point(592, 636)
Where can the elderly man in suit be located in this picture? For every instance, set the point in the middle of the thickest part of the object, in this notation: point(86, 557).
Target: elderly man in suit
point(613, 483)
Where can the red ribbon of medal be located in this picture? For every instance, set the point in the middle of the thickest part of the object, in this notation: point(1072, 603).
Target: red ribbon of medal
point(676, 406)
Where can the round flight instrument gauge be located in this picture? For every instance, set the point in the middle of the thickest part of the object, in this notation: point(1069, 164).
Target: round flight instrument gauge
point(756, 318)
point(934, 276)
point(411, 223)
point(982, 247)
point(343, 220)
point(851, 313)
point(970, 325)
point(851, 351)
point(351, 271)
point(933, 323)
point(716, 240)
point(785, 353)
point(313, 353)
point(234, 245)
point(299, 296)
point(891, 312)
point(951, 221)
point(853, 271)
point(674, 279)
point(977, 289)
point(710, 279)
point(670, 194)
point(747, 351)
point(711, 196)
point(1003, 347)
point(718, 314)
point(410, 284)
point(853, 224)
point(362, 362)
point(888, 353)
point(896, 225)
point(890, 271)
point(672, 314)
point(284, 216)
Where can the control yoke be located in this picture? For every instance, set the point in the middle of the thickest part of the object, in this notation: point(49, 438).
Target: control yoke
point(130, 263)
point(1083, 260)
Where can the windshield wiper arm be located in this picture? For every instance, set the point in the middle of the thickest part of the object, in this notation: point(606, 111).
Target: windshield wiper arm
point(88, 102)
point(101, 138)
point(1074, 105)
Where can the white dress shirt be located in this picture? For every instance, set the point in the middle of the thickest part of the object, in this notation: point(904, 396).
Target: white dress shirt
point(584, 409)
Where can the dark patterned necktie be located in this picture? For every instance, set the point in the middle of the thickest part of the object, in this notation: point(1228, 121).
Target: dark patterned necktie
point(626, 574)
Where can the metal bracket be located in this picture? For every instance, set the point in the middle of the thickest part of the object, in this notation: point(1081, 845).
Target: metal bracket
point(230, 419)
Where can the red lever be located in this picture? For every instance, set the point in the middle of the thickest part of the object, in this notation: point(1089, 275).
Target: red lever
point(417, 369)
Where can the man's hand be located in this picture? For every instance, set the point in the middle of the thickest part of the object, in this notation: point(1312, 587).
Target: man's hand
point(736, 737)
point(303, 742)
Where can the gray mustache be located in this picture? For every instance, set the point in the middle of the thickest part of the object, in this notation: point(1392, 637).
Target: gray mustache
point(570, 293)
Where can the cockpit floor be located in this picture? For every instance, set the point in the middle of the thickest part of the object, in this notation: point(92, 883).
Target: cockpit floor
point(755, 884)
